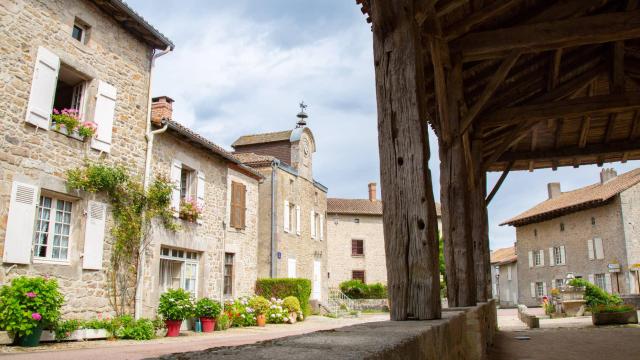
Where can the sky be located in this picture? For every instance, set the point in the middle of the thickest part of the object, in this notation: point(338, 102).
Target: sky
point(241, 67)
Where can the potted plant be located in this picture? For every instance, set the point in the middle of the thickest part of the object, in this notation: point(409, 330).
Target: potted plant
point(614, 314)
point(68, 121)
point(28, 306)
point(189, 210)
point(260, 305)
point(292, 304)
point(207, 310)
point(175, 306)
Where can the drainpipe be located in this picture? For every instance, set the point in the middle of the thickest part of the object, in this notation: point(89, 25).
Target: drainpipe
point(274, 222)
point(222, 259)
point(145, 182)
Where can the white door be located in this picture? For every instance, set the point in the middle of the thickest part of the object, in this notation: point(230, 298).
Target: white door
point(291, 268)
point(316, 293)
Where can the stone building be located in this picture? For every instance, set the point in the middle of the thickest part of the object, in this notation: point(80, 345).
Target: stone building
point(292, 206)
point(94, 57)
point(504, 276)
point(216, 255)
point(592, 232)
point(355, 239)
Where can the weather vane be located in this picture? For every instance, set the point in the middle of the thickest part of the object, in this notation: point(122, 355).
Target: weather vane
point(302, 115)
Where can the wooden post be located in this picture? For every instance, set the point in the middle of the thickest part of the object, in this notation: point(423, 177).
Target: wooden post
point(456, 201)
point(410, 225)
point(480, 227)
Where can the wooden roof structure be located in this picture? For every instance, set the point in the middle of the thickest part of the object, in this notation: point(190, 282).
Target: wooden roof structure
point(546, 83)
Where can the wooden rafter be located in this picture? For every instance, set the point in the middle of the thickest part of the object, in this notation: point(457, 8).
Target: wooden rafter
point(496, 8)
point(498, 184)
point(573, 151)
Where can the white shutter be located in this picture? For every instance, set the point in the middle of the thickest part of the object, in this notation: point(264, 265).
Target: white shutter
point(200, 192)
point(530, 259)
point(533, 289)
point(43, 88)
point(599, 251)
point(94, 235)
point(590, 249)
point(291, 268)
point(174, 177)
point(544, 288)
point(509, 272)
point(508, 292)
point(553, 283)
point(562, 255)
point(552, 259)
point(104, 114)
point(20, 223)
point(312, 221)
point(541, 257)
point(607, 283)
point(298, 219)
point(286, 216)
point(321, 227)
point(592, 278)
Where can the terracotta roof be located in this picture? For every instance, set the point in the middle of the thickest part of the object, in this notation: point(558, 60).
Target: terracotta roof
point(359, 207)
point(255, 160)
point(263, 138)
point(567, 202)
point(504, 255)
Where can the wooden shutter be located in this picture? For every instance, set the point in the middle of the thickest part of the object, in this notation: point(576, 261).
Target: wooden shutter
point(562, 255)
point(104, 114)
point(20, 223)
point(321, 226)
point(174, 177)
point(286, 216)
point(233, 214)
point(590, 249)
point(541, 257)
point(530, 259)
point(200, 188)
point(599, 250)
point(298, 219)
point(94, 235)
point(607, 283)
point(533, 289)
point(552, 258)
point(43, 88)
point(242, 204)
point(312, 222)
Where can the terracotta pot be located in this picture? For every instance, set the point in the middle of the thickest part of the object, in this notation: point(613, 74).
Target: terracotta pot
point(173, 327)
point(293, 317)
point(262, 320)
point(208, 324)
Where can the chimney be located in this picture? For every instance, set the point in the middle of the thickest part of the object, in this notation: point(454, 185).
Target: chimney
point(607, 174)
point(554, 190)
point(372, 191)
point(161, 109)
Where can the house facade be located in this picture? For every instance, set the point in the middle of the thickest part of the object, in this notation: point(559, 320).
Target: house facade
point(214, 256)
point(356, 239)
point(591, 232)
point(504, 276)
point(93, 57)
point(292, 206)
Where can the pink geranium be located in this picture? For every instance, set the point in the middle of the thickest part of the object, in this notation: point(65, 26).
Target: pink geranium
point(31, 294)
point(90, 125)
point(36, 316)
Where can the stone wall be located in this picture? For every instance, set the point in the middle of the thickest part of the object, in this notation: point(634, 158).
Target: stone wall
point(40, 157)
point(630, 205)
point(370, 304)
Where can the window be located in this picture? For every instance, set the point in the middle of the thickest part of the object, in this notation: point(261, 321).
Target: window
point(357, 247)
point(599, 281)
point(315, 199)
point(291, 185)
point(558, 257)
point(356, 220)
point(187, 177)
point(358, 275)
point(228, 274)
point(559, 283)
point(537, 258)
point(540, 289)
point(53, 229)
point(561, 226)
point(80, 31)
point(178, 270)
point(593, 220)
point(535, 232)
point(292, 217)
point(70, 90)
point(238, 205)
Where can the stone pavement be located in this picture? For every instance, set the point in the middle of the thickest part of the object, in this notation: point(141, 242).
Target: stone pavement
point(130, 349)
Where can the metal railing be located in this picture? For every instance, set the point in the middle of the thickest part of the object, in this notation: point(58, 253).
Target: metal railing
point(338, 303)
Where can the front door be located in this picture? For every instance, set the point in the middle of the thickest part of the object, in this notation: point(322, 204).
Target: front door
point(317, 280)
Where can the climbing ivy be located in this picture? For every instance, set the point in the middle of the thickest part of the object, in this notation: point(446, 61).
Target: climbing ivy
point(133, 210)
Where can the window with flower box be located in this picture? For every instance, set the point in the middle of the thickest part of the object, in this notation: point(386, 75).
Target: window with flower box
point(178, 270)
point(53, 229)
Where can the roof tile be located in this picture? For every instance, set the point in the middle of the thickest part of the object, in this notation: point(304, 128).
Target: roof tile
point(263, 138)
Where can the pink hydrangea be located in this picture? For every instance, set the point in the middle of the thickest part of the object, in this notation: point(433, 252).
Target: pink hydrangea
point(31, 294)
point(36, 316)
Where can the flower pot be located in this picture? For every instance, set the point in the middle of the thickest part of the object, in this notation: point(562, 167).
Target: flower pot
point(293, 317)
point(173, 327)
point(262, 320)
point(32, 339)
point(615, 318)
point(208, 324)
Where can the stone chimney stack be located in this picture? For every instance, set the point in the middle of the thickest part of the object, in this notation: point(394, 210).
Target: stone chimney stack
point(372, 191)
point(554, 190)
point(161, 109)
point(607, 174)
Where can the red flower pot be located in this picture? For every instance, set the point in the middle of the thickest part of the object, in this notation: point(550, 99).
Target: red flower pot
point(262, 320)
point(173, 327)
point(208, 324)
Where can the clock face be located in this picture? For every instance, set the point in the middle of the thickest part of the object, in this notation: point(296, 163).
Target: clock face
point(305, 148)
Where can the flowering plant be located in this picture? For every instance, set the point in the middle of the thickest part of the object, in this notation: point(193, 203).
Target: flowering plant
point(71, 120)
point(176, 305)
point(240, 313)
point(190, 210)
point(29, 303)
point(207, 308)
point(278, 313)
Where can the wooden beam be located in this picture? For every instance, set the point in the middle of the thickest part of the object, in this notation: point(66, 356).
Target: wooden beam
point(445, 7)
point(502, 178)
point(633, 132)
point(617, 68)
point(437, 59)
point(496, 8)
point(611, 123)
point(554, 71)
point(512, 138)
point(565, 108)
point(410, 224)
point(489, 90)
point(558, 132)
point(594, 29)
point(584, 131)
point(571, 152)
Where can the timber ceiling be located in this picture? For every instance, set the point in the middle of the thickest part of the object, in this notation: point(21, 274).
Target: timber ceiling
point(545, 83)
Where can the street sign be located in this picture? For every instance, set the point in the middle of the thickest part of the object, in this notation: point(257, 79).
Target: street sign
point(614, 268)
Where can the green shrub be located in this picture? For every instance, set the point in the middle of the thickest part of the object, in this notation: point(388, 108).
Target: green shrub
point(207, 308)
point(129, 328)
point(97, 324)
point(175, 304)
point(292, 304)
point(610, 308)
point(223, 322)
point(28, 303)
point(376, 291)
point(282, 288)
point(594, 295)
point(259, 304)
point(63, 329)
point(354, 289)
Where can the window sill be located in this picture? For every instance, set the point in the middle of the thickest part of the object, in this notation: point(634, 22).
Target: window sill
point(73, 135)
point(50, 261)
point(357, 256)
